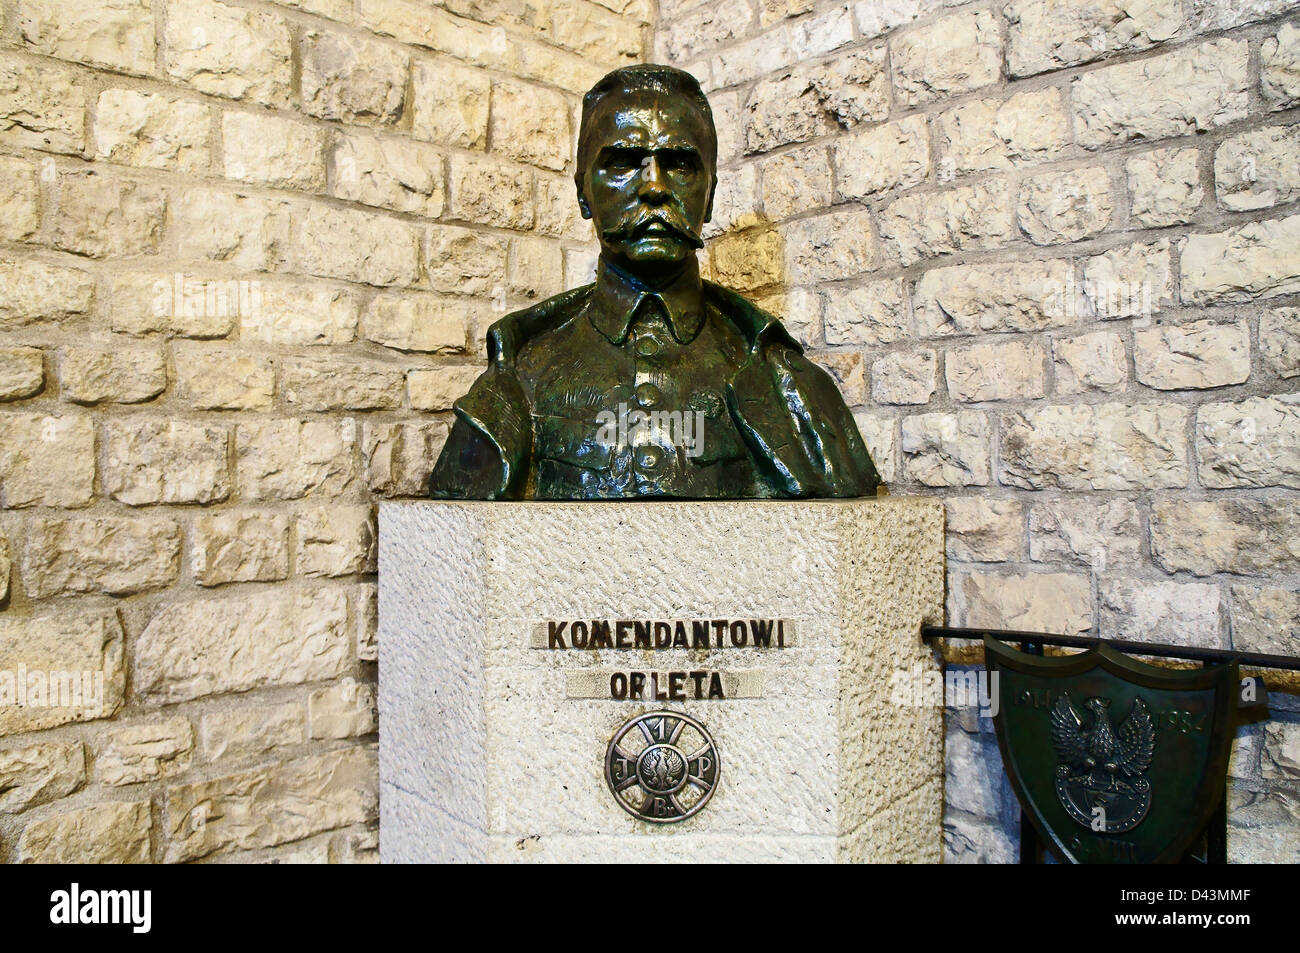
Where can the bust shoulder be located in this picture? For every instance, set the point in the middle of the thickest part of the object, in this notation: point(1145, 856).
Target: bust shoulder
point(759, 328)
point(508, 336)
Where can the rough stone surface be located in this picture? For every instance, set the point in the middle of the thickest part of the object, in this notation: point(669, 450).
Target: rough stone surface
point(1243, 536)
point(491, 193)
point(301, 315)
point(110, 34)
point(213, 378)
point(1065, 207)
point(272, 805)
point(438, 388)
point(46, 460)
point(451, 104)
point(904, 377)
point(1006, 370)
point(152, 130)
point(336, 541)
point(478, 802)
point(111, 832)
point(1049, 34)
point(98, 215)
point(793, 182)
point(1164, 187)
point(408, 322)
point(946, 449)
point(940, 223)
point(531, 124)
point(1279, 341)
point(874, 313)
point(40, 773)
point(1279, 67)
point(166, 461)
point(895, 155)
point(1028, 602)
point(878, 431)
point(357, 246)
point(384, 173)
point(267, 150)
point(22, 372)
point(32, 293)
point(1170, 612)
point(229, 51)
point(1252, 443)
point(1018, 296)
point(1095, 446)
point(1265, 619)
point(251, 731)
point(250, 232)
point(92, 375)
point(352, 80)
point(262, 639)
point(1100, 535)
point(289, 459)
point(988, 135)
point(1253, 260)
point(839, 244)
point(73, 650)
point(1258, 169)
point(1129, 281)
point(1189, 90)
point(1197, 355)
point(112, 555)
point(983, 530)
point(345, 710)
point(400, 457)
point(137, 753)
point(955, 54)
point(239, 547)
point(42, 105)
point(328, 384)
point(466, 262)
point(1089, 362)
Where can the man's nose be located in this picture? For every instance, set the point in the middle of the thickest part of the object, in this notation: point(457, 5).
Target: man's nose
point(653, 188)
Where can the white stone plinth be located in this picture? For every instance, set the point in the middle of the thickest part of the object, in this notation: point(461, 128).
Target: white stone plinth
point(485, 753)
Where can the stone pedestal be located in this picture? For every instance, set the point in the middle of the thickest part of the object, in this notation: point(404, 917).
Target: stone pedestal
point(492, 738)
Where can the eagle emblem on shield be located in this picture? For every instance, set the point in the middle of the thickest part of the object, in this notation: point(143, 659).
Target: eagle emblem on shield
point(1101, 779)
point(1113, 760)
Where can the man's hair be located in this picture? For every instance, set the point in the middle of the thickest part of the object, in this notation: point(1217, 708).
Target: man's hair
point(646, 76)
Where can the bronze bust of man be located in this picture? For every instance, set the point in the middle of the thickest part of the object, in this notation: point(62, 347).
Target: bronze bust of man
point(649, 382)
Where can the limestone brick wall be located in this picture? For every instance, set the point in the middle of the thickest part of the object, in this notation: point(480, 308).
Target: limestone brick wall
point(1051, 251)
point(248, 251)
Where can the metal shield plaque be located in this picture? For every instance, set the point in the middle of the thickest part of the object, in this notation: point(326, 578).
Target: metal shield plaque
point(1113, 760)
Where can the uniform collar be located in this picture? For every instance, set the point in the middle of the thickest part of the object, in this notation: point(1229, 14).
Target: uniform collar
point(618, 296)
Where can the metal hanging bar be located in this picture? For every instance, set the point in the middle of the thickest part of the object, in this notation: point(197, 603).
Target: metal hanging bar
point(1159, 650)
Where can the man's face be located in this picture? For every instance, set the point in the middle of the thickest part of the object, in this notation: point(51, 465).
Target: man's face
point(646, 181)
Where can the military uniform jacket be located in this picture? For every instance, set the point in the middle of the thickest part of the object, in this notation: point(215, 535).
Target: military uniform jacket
point(613, 390)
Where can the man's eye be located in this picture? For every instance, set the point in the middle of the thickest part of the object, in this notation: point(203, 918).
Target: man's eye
point(622, 160)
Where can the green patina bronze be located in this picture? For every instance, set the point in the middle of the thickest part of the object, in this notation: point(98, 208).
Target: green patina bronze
point(651, 382)
point(1113, 760)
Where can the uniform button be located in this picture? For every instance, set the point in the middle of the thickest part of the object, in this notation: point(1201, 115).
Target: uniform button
point(647, 395)
point(647, 346)
point(648, 458)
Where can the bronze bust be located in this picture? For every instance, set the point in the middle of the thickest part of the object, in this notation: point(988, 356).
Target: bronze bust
point(650, 382)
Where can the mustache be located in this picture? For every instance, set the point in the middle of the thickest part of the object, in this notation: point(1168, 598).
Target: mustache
point(634, 225)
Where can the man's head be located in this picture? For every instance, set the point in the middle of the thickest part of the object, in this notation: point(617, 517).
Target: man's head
point(646, 169)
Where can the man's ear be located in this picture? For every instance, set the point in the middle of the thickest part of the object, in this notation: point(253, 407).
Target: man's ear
point(582, 199)
point(713, 190)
